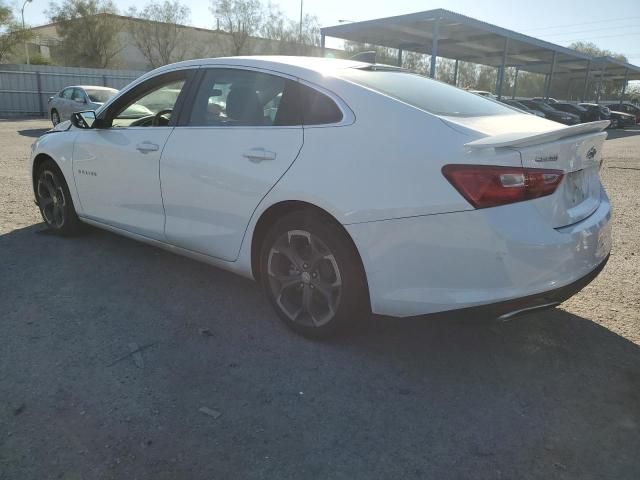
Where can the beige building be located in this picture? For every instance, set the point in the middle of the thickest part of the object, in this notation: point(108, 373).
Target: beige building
point(199, 43)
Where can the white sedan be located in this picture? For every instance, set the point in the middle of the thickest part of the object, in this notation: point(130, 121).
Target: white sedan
point(345, 188)
point(76, 98)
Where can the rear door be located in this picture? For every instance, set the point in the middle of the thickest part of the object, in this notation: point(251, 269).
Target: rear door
point(579, 158)
point(238, 137)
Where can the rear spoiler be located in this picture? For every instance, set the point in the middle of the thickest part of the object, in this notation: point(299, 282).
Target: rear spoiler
point(524, 139)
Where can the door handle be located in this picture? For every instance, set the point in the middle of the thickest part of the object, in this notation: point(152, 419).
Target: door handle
point(146, 147)
point(259, 154)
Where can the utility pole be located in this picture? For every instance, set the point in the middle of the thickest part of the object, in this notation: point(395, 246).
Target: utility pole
point(300, 32)
point(26, 45)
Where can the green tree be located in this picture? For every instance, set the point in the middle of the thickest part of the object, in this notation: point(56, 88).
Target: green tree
point(384, 55)
point(241, 19)
point(572, 89)
point(158, 31)
point(593, 50)
point(286, 33)
point(89, 31)
point(11, 32)
point(415, 62)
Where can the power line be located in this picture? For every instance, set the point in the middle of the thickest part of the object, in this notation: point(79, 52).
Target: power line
point(588, 39)
point(583, 23)
point(586, 31)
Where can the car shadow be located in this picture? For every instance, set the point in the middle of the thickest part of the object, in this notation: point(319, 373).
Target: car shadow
point(33, 132)
point(548, 395)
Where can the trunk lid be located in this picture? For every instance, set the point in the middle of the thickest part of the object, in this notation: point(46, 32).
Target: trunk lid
point(578, 195)
point(575, 150)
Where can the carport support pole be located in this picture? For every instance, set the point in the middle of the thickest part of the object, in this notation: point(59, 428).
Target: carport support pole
point(600, 83)
point(39, 86)
point(515, 83)
point(586, 82)
point(322, 43)
point(455, 73)
point(501, 71)
point(624, 85)
point(434, 48)
point(400, 57)
point(553, 67)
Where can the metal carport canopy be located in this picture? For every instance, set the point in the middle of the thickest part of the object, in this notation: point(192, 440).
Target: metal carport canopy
point(442, 33)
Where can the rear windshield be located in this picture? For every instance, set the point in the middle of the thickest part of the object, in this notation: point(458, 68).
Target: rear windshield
point(100, 96)
point(426, 94)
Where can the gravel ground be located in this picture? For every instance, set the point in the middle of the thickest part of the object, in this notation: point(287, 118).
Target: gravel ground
point(554, 395)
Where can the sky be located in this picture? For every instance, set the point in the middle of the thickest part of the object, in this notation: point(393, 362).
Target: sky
point(612, 25)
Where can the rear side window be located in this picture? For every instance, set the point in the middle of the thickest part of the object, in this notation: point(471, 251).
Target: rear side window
point(318, 109)
point(303, 105)
point(237, 97)
point(100, 96)
point(426, 94)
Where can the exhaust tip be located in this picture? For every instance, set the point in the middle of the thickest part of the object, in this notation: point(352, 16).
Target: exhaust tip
point(522, 311)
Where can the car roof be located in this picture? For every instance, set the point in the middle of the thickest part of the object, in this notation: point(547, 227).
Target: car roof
point(616, 102)
point(312, 69)
point(91, 87)
point(291, 65)
point(95, 87)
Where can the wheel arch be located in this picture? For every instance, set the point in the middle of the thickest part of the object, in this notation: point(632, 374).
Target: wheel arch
point(275, 212)
point(40, 159)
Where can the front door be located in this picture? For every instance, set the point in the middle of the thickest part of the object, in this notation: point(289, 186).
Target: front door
point(116, 169)
point(239, 138)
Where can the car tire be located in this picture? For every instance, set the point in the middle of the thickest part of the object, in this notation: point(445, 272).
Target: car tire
point(55, 117)
point(54, 200)
point(312, 275)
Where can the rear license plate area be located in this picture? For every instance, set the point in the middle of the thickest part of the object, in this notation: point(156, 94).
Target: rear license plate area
point(578, 186)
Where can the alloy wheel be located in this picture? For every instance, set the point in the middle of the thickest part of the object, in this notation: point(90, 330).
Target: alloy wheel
point(55, 118)
point(304, 278)
point(51, 199)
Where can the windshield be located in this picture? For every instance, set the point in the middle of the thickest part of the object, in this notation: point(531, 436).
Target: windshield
point(425, 93)
point(539, 106)
point(516, 104)
point(100, 96)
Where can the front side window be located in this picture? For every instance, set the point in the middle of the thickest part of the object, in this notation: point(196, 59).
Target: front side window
point(150, 104)
point(233, 97)
point(424, 93)
point(67, 93)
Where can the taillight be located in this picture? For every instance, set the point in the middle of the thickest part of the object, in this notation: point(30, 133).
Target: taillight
point(489, 186)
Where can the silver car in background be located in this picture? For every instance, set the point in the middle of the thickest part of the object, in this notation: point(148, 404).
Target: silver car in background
point(77, 98)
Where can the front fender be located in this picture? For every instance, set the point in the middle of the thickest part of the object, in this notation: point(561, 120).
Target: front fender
point(57, 144)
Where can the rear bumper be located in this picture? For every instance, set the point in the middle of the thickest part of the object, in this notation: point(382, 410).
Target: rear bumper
point(505, 257)
point(512, 308)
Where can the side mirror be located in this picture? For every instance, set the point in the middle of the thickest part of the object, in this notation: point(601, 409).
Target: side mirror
point(83, 119)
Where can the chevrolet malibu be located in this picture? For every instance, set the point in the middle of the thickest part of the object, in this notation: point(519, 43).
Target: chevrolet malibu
point(344, 188)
